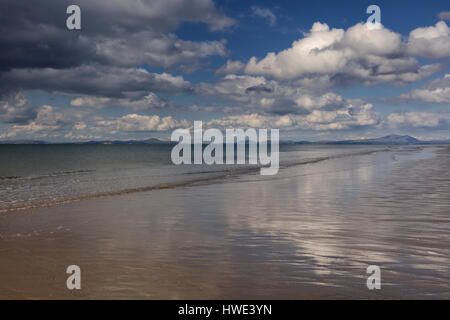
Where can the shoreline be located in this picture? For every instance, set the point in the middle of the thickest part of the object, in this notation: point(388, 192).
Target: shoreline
point(223, 174)
point(309, 234)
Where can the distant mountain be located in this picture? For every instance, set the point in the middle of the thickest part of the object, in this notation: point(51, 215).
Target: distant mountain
point(22, 142)
point(146, 141)
point(394, 138)
point(390, 139)
point(154, 141)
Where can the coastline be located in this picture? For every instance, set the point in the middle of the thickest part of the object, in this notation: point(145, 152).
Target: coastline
point(310, 233)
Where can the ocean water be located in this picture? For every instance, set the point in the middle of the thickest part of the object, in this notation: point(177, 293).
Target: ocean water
point(44, 175)
point(144, 228)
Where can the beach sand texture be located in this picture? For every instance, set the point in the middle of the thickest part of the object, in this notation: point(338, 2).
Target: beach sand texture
point(308, 232)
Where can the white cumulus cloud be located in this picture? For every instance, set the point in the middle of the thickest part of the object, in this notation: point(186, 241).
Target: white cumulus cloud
point(437, 91)
point(358, 54)
point(430, 42)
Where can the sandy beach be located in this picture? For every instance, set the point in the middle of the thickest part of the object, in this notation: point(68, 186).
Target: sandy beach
point(309, 232)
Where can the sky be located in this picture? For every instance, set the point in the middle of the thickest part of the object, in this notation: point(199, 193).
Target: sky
point(143, 68)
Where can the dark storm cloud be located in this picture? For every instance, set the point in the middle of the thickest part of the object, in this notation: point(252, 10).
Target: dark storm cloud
point(114, 33)
point(259, 89)
point(35, 35)
point(283, 106)
point(95, 80)
point(39, 53)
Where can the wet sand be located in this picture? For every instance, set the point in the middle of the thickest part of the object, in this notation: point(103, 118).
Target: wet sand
point(309, 232)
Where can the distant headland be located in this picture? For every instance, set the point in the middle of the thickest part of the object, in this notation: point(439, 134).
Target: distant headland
point(392, 139)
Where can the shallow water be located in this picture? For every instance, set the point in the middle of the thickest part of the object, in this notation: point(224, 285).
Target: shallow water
point(308, 232)
point(42, 175)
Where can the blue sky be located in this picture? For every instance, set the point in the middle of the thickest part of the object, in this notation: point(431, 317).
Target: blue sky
point(140, 69)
